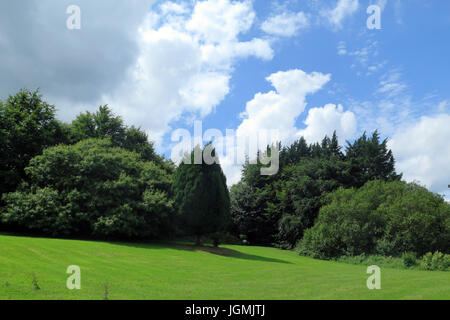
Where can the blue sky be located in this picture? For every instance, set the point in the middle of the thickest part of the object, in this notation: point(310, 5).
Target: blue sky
point(409, 53)
point(305, 67)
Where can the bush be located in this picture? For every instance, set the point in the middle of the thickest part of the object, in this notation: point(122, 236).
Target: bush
point(289, 231)
point(368, 260)
point(435, 261)
point(41, 210)
point(385, 218)
point(92, 189)
point(409, 259)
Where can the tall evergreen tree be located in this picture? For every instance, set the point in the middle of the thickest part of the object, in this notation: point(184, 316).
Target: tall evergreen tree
point(292, 154)
point(202, 196)
point(370, 159)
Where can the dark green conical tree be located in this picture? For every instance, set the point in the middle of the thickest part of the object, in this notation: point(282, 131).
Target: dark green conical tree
point(371, 159)
point(201, 195)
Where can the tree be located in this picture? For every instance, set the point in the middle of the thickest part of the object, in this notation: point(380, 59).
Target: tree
point(294, 153)
point(92, 189)
point(277, 209)
point(259, 224)
point(386, 218)
point(104, 124)
point(248, 213)
point(371, 160)
point(202, 196)
point(27, 126)
point(300, 193)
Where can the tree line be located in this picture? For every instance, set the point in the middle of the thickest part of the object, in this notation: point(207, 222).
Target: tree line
point(96, 177)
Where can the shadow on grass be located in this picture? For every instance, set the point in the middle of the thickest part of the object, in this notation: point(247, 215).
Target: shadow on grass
point(225, 252)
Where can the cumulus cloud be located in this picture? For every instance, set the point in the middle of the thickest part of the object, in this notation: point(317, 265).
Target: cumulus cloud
point(343, 9)
point(286, 24)
point(152, 65)
point(324, 121)
point(37, 49)
point(279, 109)
point(270, 117)
point(185, 63)
point(422, 152)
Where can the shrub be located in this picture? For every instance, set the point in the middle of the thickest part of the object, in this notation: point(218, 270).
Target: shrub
point(409, 259)
point(289, 231)
point(435, 261)
point(367, 260)
point(385, 218)
point(92, 189)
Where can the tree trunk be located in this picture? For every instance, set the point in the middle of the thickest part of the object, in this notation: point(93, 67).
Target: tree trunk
point(198, 240)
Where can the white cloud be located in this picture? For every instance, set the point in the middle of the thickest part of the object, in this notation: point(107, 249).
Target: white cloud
point(343, 9)
point(422, 152)
point(443, 105)
point(381, 4)
point(218, 21)
point(172, 7)
point(363, 57)
point(286, 24)
point(186, 59)
point(391, 84)
point(341, 48)
point(276, 110)
point(324, 121)
point(279, 109)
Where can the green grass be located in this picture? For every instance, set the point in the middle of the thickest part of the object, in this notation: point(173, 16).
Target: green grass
point(177, 271)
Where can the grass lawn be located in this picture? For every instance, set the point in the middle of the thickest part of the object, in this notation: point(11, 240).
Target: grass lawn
point(177, 271)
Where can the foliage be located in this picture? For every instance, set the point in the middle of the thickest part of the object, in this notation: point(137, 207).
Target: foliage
point(302, 192)
point(201, 196)
point(104, 124)
point(409, 259)
point(373, 259)
point(436, 261)
point(370, 159)
point(279, 208)
point(385, 218)
point(248, 213)
point(92, 189)
point(27, 126)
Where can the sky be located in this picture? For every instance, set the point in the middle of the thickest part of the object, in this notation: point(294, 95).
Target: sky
point(301, 68)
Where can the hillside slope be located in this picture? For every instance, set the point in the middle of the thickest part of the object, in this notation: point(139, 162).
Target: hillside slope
point(175, 271)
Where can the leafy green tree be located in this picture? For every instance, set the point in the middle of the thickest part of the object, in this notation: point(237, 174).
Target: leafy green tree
point(27, 126)
point(279, 208)
point(248, 213)
point(202, 196)
point(92, 189)
point(104, 124)
point(386, 218)
point(258, 223)
point(302, 192)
